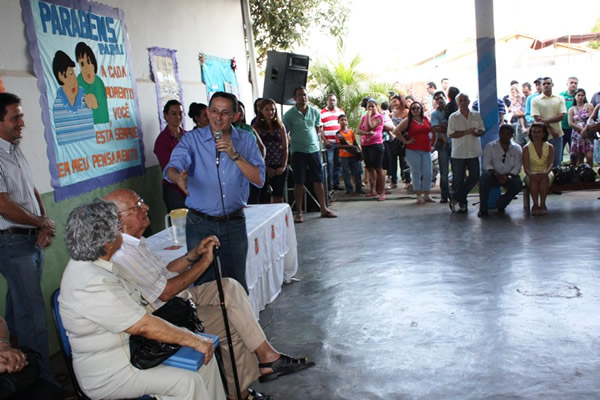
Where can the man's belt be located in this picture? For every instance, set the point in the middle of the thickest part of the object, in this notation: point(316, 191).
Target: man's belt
point(237, 214)
point(19, 231)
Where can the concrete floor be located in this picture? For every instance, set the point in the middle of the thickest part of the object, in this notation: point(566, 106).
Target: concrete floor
point(400, 301)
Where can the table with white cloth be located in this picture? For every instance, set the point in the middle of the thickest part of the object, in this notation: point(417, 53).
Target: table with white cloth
point(272, 251)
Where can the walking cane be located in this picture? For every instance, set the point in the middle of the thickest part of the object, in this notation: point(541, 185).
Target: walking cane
point(216, 264)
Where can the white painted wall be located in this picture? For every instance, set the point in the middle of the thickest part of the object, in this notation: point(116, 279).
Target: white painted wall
point(189, 26)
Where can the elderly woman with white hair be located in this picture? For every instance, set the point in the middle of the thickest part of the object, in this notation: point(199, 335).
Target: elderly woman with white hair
point(100, 311)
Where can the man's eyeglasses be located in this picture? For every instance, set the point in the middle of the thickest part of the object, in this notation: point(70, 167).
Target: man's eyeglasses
point(224, 113)
point(138, 206)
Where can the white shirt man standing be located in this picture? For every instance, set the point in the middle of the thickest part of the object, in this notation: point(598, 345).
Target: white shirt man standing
point(25, 231)
point(464, 128)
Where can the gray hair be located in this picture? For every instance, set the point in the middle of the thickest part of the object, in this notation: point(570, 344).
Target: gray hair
point(462, 94)
point(89, 227)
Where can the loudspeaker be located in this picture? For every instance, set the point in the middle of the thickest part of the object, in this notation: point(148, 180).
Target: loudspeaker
point(285, 72)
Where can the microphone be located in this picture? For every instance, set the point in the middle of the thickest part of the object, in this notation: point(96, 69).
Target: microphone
point(218, 135)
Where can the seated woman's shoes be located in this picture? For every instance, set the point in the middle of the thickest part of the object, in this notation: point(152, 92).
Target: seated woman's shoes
point(284, 365)
point(254, 395)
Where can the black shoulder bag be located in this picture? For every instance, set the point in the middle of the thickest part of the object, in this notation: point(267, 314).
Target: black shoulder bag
point(354, 150)
point(148, 353)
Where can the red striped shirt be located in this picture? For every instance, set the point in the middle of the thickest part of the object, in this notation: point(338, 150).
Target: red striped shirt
point(329, 119)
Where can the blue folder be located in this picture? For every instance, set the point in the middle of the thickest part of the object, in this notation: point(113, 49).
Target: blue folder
point(188, 358)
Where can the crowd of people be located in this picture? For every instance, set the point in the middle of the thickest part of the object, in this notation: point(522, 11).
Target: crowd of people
point(402, 133)
point(113, 282)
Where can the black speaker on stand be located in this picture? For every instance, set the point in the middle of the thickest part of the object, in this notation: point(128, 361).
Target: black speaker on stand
point(285, 72)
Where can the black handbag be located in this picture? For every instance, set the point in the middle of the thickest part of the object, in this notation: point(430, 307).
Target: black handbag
point(148, 353)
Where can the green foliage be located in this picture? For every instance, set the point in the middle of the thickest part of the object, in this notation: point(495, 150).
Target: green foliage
point(349, 85)
point(596, 28)
point(282, 24)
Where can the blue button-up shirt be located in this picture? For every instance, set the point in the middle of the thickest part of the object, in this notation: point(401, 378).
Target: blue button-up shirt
point(196, 153)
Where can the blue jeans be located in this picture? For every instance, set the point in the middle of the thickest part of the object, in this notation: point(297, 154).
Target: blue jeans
point(444, 150)
point(350, 168)
point(462, 187)
point(333, 165)
point(22, 264)
point(234, 246)
point(488, 181)
point(420, 169)
point(558, 150)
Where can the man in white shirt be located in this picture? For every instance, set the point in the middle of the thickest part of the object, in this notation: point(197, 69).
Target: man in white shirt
point(502, 160)
point(464, 128)
point(159, 281)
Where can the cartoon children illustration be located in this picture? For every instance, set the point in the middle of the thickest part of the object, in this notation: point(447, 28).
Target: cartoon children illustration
point(93, 87)
point(73, 120)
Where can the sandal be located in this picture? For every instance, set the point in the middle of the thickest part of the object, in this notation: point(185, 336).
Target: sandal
point(299, 219)
point(284, 365)
point(328, 214)
point(370, 195)
point(381, 197)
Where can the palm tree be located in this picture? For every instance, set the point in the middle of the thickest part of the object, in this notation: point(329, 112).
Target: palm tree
point(348, 84)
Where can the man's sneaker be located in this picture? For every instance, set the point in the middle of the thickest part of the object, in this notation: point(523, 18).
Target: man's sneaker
point(482, 214)
point(443, 201)
point(453, 204)
point(462, 208)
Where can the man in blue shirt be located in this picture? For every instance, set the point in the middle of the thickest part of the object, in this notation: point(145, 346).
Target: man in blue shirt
point(538, 90)
point(214, 174)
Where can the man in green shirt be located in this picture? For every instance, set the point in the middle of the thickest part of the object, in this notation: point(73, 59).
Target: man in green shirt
point(569, 96)
point(303, 122)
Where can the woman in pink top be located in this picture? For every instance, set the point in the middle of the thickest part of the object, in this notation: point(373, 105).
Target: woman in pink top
point(371, 140)
point(418, 150)
point(166, 141)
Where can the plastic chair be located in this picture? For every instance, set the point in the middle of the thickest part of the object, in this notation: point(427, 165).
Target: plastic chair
point(65, 347)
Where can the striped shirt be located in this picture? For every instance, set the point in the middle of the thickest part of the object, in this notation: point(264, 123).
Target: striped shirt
point(72, 123)
point(136, 263)
point(16, 181)
point(329, 120)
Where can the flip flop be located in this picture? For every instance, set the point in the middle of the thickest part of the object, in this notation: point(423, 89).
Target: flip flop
point(328, 214)
point(284, 365)
point(381, 197)
point(299, 219)
point(370, 195)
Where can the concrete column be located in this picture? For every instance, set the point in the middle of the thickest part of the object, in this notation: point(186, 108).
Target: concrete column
point(486, 68)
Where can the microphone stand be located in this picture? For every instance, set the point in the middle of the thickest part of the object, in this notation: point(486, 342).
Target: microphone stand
point(216, 264)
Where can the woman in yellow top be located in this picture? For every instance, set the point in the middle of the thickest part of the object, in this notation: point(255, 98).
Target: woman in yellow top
point(538, 156)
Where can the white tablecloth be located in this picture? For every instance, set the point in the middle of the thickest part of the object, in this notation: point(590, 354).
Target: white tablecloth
point(272, 251)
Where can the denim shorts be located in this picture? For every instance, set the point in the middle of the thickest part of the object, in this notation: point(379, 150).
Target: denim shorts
point(311, 160)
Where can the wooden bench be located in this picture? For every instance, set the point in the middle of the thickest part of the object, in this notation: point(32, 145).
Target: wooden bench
point(570, 187)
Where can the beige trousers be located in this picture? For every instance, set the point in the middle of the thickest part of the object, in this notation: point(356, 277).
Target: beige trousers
point(165, 383)
point(246, 333)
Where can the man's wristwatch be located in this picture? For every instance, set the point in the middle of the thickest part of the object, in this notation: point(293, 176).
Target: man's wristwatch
point(236, 156)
